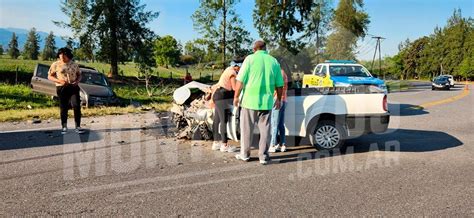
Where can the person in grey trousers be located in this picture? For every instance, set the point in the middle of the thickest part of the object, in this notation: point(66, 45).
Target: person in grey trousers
point(258, 79)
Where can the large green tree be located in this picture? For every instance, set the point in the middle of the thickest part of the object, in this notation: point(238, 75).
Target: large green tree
point(116, 27)
point(288, 23)
point(239, 41)
point(318, 25)
point(302, 62)
point(350, 23)
point(13, 50)
point(31, 48)
point(49, 47)
point(194, 49)
point(1, 50)
point(167, 51)
point(412, 56)
point(466, 68)
point(218, 23)
point(455, 40)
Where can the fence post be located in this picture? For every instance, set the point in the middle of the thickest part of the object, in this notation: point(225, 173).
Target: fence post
point(171, 75)
point(16, 76)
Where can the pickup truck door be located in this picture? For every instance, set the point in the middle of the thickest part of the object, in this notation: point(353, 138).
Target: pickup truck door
point(40, 82)
point(295, 112)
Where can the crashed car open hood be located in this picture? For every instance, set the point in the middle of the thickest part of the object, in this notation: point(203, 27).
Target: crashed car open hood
point(182, 94)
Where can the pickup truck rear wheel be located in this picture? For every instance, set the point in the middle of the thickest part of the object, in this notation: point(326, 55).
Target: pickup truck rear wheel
point(328, 135)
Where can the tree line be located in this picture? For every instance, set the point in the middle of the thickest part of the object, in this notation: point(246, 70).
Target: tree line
point(115, 31)
point(295, 31)
point(288, 26)
point(302, 33)
point(448, 50)
point(31, 49)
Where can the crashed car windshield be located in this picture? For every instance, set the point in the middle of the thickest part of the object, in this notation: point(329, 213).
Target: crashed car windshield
point(93, 78)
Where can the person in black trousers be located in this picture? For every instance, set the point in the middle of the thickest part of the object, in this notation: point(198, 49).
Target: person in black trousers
point(65, 73)
point(222, 98)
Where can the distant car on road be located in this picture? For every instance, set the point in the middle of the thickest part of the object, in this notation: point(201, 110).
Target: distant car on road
point(441, 83)
point(95, 88)
point(450, 79)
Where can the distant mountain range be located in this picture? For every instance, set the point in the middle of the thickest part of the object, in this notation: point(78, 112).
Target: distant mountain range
point(22, 34)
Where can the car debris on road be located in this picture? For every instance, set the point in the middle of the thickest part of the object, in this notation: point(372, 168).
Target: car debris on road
point(191, 110)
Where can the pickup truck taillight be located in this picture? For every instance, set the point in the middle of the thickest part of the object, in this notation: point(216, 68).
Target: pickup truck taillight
point(384, 103)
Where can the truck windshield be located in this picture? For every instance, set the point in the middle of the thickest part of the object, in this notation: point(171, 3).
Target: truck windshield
point(357, 71)
point(93, 79)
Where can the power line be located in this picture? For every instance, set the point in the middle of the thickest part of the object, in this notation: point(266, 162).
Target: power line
point(367, 46)
point(367, 50)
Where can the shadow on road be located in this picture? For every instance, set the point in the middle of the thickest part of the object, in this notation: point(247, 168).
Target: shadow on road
point(31, 139)
point(409, 140)
point(405, 110)
point(400, 140)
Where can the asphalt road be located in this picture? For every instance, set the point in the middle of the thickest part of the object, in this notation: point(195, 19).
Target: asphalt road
point(129, 165)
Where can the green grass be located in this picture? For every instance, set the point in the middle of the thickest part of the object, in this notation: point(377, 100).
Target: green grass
point(128, 69)
point(18, 102)
point(160, 94)
point(397, 85)
point(14, 97)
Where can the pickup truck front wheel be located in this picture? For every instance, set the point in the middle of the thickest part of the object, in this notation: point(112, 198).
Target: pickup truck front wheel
point(328, 135)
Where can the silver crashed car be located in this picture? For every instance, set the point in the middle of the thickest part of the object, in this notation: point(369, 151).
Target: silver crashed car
point(95, 88)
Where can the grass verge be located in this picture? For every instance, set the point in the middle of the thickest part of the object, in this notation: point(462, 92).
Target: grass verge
point(25, 69)
point(53, 112)
point(397, 85)
point(18, 102)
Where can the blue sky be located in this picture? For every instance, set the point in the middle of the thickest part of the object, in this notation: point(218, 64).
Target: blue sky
point(395, 20)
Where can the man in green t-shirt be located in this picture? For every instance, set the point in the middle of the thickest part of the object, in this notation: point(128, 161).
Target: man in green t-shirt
point(259, 77)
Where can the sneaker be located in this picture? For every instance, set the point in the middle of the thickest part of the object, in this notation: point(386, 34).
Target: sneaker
point(227, 148)
point(239, 157)
point(215, 146)
point(274, 148)
point(283, 148)
point(64, 130)
point(263, 162)
point(79, 130)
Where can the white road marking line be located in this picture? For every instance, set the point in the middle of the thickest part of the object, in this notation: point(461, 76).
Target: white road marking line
point(197, 184)
point(150, 180)
point(28, 130)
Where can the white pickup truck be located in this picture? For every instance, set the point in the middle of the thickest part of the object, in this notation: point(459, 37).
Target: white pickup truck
point(327, 116)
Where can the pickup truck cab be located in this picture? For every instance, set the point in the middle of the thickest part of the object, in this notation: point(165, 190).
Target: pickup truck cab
point(337, 73)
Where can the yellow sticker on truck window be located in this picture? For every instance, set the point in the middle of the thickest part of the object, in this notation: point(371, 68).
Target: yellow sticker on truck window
point(317, 81)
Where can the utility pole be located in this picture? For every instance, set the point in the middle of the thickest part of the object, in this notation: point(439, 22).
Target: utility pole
point(379, 38)
point(224, 14)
